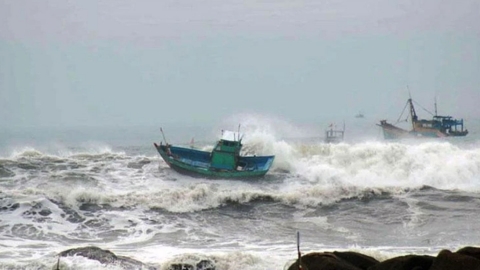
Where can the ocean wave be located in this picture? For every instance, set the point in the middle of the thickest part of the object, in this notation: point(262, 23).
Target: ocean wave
point(440, 165)
point(28, 152)
point(200, 197)
point(304, 174)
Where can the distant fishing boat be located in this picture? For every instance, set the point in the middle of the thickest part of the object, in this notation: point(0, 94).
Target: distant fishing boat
point(334, 135)
point(360, 115)
point(438, 126)
point(224, 161)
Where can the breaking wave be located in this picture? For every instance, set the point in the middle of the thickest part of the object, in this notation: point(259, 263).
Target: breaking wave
point(304, 174)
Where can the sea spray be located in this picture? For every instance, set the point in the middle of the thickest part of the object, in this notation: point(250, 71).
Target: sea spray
point(390, 197)
point(441, 165)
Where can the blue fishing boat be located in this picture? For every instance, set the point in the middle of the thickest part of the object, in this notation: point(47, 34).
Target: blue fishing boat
point(437, 127)
point(224, 161)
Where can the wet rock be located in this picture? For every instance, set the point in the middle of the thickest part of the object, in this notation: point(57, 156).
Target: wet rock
point(470, 251)
point(105, 257)
point(465, 258)
point(408, 262)
point(93, 253)
point(446, 260)
point(201, 265)
point(323, 261)
point(359, 260)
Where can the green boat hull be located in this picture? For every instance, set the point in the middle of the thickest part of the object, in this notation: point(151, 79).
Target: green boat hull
point(201, 168)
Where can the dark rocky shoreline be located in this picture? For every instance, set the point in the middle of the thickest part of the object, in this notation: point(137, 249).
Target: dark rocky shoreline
point(466, 258)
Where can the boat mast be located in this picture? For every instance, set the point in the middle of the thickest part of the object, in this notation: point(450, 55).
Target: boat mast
point(163, 135)
point(413, 114)
point(436, 106)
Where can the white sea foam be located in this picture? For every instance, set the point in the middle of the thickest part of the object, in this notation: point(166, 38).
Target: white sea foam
point(318, 174)
point(225, 260)
point(440, 165)
point(26, 152)
point(131, 202)
point(373, 164)
point(61, 151)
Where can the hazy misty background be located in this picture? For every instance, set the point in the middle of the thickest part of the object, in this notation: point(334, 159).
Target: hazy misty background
point(66, 63)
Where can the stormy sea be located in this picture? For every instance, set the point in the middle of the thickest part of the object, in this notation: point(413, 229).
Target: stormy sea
point(69, 188)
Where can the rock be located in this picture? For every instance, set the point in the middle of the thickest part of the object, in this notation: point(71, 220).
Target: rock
point(465, 258)
point(446, 260)
point(323, 261)
point(357, 259)
point(105, 257)
point(92, 253)
point(470, 251)
point(201, 265)
point(408, 262)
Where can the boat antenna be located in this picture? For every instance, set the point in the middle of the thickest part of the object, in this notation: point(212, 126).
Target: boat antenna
point(239, 132)
point(298, 251)
point(161, 130)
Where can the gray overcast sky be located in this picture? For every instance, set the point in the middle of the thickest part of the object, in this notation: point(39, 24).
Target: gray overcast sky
point(122, 63)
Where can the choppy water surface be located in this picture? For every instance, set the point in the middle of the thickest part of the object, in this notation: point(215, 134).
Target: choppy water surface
point(380, 198)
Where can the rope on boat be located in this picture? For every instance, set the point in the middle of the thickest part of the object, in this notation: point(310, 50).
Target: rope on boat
point(398, 120)
point(423, 108)
point(403, 111)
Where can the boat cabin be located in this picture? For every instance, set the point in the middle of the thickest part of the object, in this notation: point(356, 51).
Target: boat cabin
point(225, 154)
point(445, 124)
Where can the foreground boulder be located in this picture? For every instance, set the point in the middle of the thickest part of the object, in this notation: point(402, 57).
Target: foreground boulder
point(105, 257)
point(334, 261)
point(446, 260)
point(470, 251)
point(361, 261)
point(467, 258)
point(408, 262)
